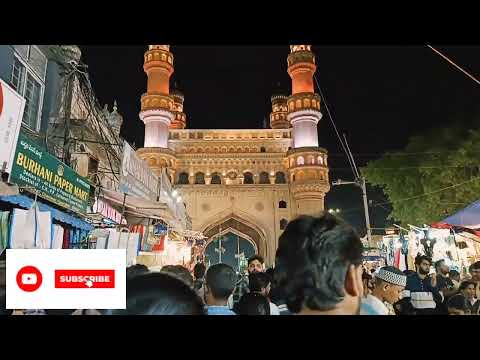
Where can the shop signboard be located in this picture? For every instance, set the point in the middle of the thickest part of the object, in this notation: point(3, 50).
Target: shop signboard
point(11, 114)
point(136, 178)
point(53, 180)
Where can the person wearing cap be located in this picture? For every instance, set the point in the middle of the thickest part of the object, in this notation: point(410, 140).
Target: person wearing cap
point(389, 284)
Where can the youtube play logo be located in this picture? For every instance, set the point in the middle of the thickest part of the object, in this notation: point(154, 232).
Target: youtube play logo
point(29, 278)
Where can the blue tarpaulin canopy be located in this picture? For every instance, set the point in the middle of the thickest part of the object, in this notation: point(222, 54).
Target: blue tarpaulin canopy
point(26, 202)
point(467, 218)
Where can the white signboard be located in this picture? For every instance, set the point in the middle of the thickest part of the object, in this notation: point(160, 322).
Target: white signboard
point(66, 279)
point(136, 178)
point(11, 114)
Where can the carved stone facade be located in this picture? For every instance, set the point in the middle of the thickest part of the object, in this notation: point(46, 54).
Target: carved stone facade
point(248, 181)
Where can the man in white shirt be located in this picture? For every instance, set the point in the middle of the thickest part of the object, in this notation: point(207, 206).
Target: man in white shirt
point(389, 284)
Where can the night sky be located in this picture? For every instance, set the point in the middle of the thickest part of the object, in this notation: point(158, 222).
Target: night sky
point(379, 96)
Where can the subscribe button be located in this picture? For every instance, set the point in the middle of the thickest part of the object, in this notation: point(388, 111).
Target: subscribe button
point(84, 279)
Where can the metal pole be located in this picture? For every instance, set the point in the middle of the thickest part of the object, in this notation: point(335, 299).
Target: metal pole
point(220, 250)
point(367, 214)
point(123, 207)
point(67, 110)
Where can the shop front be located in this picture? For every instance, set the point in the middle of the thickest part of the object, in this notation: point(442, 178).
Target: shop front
point(43, 203)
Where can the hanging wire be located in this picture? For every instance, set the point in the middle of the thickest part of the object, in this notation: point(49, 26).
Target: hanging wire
point(454, 64)
point(333, 124)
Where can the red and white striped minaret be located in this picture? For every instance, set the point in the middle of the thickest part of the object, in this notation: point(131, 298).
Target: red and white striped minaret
point(303, 105)
point(157, 105)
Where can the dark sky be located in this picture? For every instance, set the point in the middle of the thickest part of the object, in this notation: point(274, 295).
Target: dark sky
point(379, 95)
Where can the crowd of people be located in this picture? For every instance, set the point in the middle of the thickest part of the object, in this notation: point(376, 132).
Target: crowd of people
point(318, 271)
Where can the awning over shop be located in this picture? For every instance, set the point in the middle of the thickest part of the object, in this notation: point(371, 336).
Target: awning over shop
point(468, 218)
point(139, 206)
point(26, 202)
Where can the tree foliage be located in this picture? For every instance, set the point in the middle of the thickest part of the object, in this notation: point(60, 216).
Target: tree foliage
point(436, 175)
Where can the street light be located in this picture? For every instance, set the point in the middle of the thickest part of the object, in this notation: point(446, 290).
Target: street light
point(360, 182)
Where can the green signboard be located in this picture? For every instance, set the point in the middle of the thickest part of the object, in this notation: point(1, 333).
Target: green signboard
point(53, 180)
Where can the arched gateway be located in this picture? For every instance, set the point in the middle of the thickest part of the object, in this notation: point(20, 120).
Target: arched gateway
point(232, 241)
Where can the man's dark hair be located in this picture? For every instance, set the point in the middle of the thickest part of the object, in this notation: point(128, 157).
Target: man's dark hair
point(253, 304)
point(270, 271)
point(4, 176)
point(465, 284)
point(258, 281)
point(221, 280)
point(160, 294)
point(256, 257)
point(439, 263)
point(366, 275)
point(312, 260)
point(180, 272)
point(420, 258)
point(474, 266)
point(458, 302)
point(136, 270)
point(453, 273)
point(199, 270)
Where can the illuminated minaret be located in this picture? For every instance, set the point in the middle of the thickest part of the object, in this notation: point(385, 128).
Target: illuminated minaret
point(180, 119)
point(278, 116)
point(303, 105)
point(158, 110)
point(306, 162)
point(157, 105)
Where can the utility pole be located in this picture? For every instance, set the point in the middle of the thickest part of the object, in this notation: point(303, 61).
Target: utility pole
point(361, 183)
point(67, 111)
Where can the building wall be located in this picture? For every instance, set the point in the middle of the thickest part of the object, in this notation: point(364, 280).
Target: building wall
point(257, 206)
point(6, 61)
point(230, 154)
point(52, 80)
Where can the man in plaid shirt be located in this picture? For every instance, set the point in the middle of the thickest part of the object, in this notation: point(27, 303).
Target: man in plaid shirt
point(255, 264)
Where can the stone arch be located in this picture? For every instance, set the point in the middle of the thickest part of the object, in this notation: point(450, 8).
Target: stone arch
point(292, 163)
point(216, 179)
point(300, 176)
point(280, 178)
point(300, 160)
point(320, 160)
point(199, 178)
point(311, 160)
point(183, 178)
point(311, 174)
point(282, 204)
point(248, 178)
point(241, 227)
point(264, 178)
